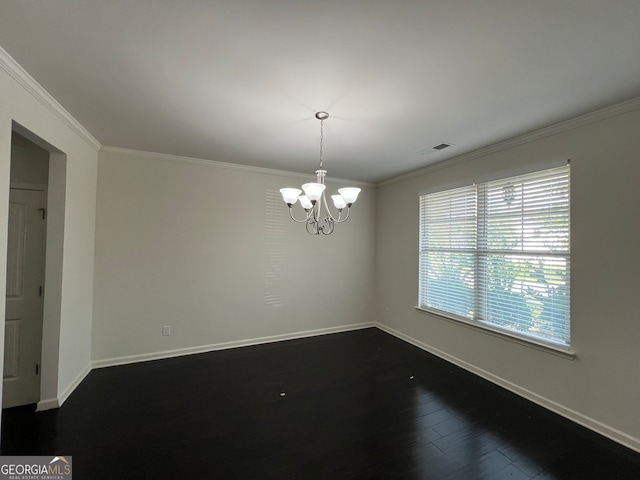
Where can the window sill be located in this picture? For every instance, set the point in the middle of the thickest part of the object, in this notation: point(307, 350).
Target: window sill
point(558, 350)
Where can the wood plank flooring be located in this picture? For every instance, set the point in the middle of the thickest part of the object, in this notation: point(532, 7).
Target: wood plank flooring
point(355, 405)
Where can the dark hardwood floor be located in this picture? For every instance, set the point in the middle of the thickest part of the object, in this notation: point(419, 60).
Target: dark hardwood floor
point(355, 405)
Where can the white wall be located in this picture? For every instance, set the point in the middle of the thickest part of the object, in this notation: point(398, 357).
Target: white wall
point(29, 163)
point(209, 249)
point(600, 387)
point(70, 229)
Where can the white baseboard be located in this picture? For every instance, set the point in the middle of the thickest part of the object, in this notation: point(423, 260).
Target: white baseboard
point(577, 417)
point(110, 362)
point(47, 404)
point(62, 397)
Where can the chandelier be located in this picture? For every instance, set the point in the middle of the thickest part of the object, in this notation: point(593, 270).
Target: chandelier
point(318, 217)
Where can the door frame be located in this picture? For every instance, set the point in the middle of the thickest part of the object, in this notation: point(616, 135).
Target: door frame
point(44, 189)
point(54, 249)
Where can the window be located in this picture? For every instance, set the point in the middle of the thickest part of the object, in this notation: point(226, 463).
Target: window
point(497, 255)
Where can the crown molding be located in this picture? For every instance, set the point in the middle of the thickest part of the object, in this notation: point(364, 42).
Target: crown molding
point(26, 81)
point(229, 166)
point(571, 124)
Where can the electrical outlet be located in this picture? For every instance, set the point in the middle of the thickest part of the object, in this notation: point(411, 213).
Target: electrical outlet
point(166, 330)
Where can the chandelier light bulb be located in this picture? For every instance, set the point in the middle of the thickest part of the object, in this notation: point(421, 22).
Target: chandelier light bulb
point(338, 201)
point(350, 194)
point(313, 191)
point(305, 202)
point(290, 195)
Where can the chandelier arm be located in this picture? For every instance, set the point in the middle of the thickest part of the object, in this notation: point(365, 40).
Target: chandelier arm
point(327, 224)
point(324, 222)
point(329, 214)
point(314, 225)
point(339, 219)
point(342, 220)
point(295, 219)
point(329, 230)
point(322, 200)
point(314, 214)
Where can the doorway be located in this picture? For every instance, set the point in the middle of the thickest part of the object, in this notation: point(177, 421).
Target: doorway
point(26, 249)
point(24, 295)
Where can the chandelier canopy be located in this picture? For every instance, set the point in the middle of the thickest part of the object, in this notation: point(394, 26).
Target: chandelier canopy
point(313, 201)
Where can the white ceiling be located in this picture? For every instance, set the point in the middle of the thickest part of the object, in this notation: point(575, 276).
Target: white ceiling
point(240, 80)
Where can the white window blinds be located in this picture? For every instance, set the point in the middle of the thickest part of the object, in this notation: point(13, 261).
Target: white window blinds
point(497, 254)
point(448, 225)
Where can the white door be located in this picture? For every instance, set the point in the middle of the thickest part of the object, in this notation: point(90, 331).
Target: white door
point(25, 276)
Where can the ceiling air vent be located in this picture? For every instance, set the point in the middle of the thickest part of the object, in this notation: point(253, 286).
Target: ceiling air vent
point(441, 146)
point(434, 149)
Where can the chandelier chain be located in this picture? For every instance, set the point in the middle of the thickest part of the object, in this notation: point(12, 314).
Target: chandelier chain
point(321, 140)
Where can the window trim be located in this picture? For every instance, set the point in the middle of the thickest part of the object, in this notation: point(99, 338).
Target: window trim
point(564, 351)
point(550, 346)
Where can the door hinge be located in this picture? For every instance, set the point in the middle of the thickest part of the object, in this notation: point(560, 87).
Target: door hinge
point(37, 369)
point(44, 212)
point(40, 291)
